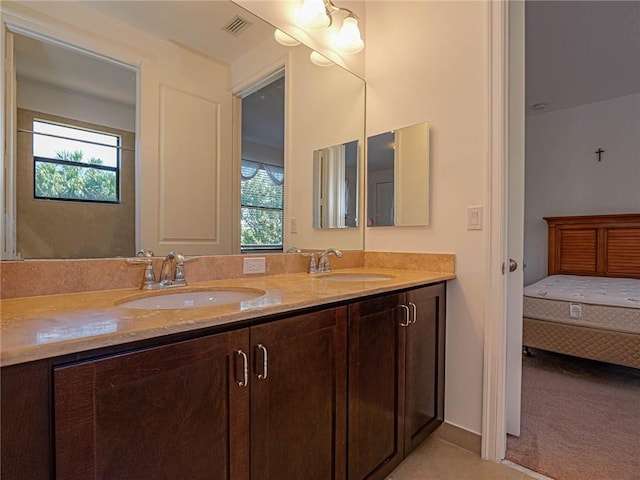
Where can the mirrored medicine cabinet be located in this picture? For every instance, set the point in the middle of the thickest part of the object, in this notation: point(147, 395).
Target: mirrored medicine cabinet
point(398, 177)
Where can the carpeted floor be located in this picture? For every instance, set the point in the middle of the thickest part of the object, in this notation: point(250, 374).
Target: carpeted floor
point(580, 419)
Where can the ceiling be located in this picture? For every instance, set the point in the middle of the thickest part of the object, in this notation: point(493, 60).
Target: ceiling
point(199, 25)
point(580, 52)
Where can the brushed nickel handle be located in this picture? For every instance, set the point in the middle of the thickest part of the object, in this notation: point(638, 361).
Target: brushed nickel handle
point(406, 316)
point(415, 312)
point(513, 265)
point(263, 375)
point(245, 369)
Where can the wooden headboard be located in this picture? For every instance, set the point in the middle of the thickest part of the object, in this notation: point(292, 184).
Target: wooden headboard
point(599, 245)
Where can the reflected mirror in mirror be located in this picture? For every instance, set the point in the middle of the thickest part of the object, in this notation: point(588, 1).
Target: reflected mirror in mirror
point(243, 56)
point(335, 186)
point(398, 177)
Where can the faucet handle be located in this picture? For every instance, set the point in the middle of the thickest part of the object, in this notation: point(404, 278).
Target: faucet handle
point(313, 265)
point(179, 275)
point(143, 252)
point(182, 260)
point(139, 261)
point(149, 277)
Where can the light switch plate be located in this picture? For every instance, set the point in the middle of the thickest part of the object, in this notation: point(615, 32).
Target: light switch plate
point(293, 225)
point(474, 217)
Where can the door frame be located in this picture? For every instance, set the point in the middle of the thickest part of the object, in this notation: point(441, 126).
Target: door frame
point(494, 434)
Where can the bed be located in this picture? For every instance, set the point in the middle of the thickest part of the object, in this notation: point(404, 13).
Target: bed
point(589, 306)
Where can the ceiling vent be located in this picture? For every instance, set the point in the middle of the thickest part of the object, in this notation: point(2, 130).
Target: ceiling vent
point(237, 25)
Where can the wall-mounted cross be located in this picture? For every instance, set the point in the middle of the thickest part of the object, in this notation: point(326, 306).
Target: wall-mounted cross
point(600, 152)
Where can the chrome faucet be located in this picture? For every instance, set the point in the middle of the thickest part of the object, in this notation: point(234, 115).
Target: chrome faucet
point(171, 272)
point(323, 259)
point(169, 267)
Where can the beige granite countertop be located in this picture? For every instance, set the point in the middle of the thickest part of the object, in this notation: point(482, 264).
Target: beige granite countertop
point(40, 327)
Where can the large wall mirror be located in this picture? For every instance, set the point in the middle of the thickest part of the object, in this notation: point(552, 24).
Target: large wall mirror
point(398, 177)
point(71, 202)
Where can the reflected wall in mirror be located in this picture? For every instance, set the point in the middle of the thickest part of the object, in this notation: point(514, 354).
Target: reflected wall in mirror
point(398, 177)
point(335, 186)
point(187, 164)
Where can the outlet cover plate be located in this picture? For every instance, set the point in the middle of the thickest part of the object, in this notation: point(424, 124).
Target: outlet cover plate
point(253, 265)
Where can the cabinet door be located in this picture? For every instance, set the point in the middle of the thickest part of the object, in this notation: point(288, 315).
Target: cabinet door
point(298, 397)
point(424, 369)
point(170, 412)
point(376, 402)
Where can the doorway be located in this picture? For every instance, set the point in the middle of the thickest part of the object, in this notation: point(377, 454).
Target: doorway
point(262, 174)
point(557, 185)
point(70, 188)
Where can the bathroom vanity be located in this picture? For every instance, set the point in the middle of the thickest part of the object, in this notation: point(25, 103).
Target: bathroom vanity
point(343, 385)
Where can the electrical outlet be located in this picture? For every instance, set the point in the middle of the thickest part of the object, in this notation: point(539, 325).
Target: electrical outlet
point(253, 265)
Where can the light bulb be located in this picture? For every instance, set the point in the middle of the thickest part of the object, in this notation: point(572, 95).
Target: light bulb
point(348, 39)
point(313, 14)
point(319, 60)
point(284, 39)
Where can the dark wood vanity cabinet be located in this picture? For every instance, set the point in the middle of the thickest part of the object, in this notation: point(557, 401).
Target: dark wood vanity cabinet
point(340, 393)
point(298, 397)
point(376, 386)
point(169, 412)
point(188, 409)
point(424, 364)
point(396, 378)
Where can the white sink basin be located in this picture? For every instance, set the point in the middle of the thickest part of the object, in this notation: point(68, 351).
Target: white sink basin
point(193, 299)
point(355, 277)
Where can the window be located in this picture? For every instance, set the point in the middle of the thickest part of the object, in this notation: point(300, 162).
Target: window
point(75, 164)
point(262, 206)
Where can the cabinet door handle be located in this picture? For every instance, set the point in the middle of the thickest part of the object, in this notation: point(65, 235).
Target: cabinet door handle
point(406, 323)
point(263, 375)
point(245, 369)
point(415, 312)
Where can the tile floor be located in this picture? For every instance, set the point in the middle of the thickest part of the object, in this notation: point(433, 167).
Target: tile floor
point(437, 459)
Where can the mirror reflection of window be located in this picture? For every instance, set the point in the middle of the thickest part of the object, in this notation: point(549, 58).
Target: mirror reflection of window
point(262, 170)
point(75, 188)
point(75, 164)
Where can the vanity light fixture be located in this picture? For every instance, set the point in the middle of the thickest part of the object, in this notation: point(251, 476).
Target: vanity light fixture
point(348, 39)
point(317, 14)
point(313, 14)
point(284, 39)
point(320, 60)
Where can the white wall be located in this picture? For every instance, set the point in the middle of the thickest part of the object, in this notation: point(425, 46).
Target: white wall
point(564, 177)
point(428, 61)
